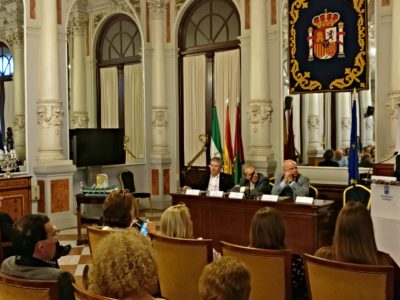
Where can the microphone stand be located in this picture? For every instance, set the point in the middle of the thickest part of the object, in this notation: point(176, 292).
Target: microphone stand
point(368, 179)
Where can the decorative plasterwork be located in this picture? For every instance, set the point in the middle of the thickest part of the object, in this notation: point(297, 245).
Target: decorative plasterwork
point(157, 7)
point(116, 7)
point(259, 112)
point(11, 13)
point(160, 117)
point(80, 119)
point(15, 37)
point(345, 123)
point(393, 104)
point(50, 115)
point(77, 22)
point(313, 122)
point(19, 122)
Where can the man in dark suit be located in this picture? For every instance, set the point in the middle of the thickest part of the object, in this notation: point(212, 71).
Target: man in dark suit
point(216, 180)
point(328, 162)
point(253, 181)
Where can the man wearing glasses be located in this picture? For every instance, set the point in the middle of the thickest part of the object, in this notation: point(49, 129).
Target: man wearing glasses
point(35, 242)
point(216, 181)
point(254, 182)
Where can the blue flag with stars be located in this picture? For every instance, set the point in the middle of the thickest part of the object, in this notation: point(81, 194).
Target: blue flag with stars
point(353, 155)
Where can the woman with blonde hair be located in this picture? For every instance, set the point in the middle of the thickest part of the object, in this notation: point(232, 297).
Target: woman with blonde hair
point(267, 231)
point(176, 222)
point(124, 267)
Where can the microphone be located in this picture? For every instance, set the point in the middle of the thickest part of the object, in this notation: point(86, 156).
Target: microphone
point(381, 162)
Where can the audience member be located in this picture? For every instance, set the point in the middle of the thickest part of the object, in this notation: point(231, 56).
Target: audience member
point(124, 267)
point(6, 224)
point(253, 181)
point(290, 183)
point(119, 211)
point(35, 240)
point(216, 181)
point(366, 161)
point(267, 231)
point(328, 162)
point(225, 279)
point(176, 222)
point(354, 240)
point(347, 152)
point(340, 159)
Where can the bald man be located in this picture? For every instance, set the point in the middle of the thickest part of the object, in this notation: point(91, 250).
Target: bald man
point(290, 183)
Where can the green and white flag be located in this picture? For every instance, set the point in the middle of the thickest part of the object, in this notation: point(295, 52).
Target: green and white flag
point(215, 148)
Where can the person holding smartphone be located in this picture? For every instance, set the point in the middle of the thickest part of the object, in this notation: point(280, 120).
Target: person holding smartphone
point(119, 211)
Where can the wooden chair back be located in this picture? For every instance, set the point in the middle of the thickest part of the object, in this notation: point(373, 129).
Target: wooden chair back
point(180, 264)
point(271, 272)
point(95, 235)
point(13, 288)
point(329, 280)
point(82, 294)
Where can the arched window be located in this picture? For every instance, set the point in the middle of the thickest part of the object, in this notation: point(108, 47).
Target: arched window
point(120, 81)
point(209, 72)
point(6, 89)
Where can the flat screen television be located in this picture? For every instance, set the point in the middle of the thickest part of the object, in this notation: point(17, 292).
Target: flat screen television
point(97, 147)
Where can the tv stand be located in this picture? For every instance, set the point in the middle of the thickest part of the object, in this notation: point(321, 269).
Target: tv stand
point(83, 222)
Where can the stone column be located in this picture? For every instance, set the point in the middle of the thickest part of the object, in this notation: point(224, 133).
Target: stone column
point(259, 109)
point(344, 101)
point(367, 122)
point(393, 103)
point(77, 27)
point(15, 38)
point(50, 109)
point(314, 125)
point(160, 155)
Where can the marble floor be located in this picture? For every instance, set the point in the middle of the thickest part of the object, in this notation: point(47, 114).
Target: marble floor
point(79, 256)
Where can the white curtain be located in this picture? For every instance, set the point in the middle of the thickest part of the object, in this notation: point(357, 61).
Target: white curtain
point(9, 105)
point(227, 86)
point(194, 105)
point(109, 97)
point(134, 111)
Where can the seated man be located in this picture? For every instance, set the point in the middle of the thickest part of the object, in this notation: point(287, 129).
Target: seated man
point(216, 181)
point(35, 242)
point(328, 162)
point(290, 183)
point(340, 159)
point(253, 181)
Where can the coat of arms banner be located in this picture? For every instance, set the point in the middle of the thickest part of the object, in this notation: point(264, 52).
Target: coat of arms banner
point(328, 45)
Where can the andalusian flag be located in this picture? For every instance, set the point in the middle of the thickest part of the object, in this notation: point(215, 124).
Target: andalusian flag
point(238, 148)
point(353, 155)
point(215, 147)
point(228, 156)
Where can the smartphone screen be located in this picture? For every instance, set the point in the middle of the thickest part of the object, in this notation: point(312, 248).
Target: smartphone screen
point(143, 229)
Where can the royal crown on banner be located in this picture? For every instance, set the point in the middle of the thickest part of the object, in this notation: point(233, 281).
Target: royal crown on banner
point(326, 38)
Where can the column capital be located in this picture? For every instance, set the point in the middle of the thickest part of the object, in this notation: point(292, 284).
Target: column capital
point(157, 7)
point(80, 119)
point(259, 112)
point(50, 115)
point(160, 117)
point(77, 22)
point(393, 104)
point(15, 37)
point(19, 122)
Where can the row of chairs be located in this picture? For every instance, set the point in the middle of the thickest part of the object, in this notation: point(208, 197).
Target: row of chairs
point(181, 262)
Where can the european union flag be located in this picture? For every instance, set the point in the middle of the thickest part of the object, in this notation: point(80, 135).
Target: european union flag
point(353, 155)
